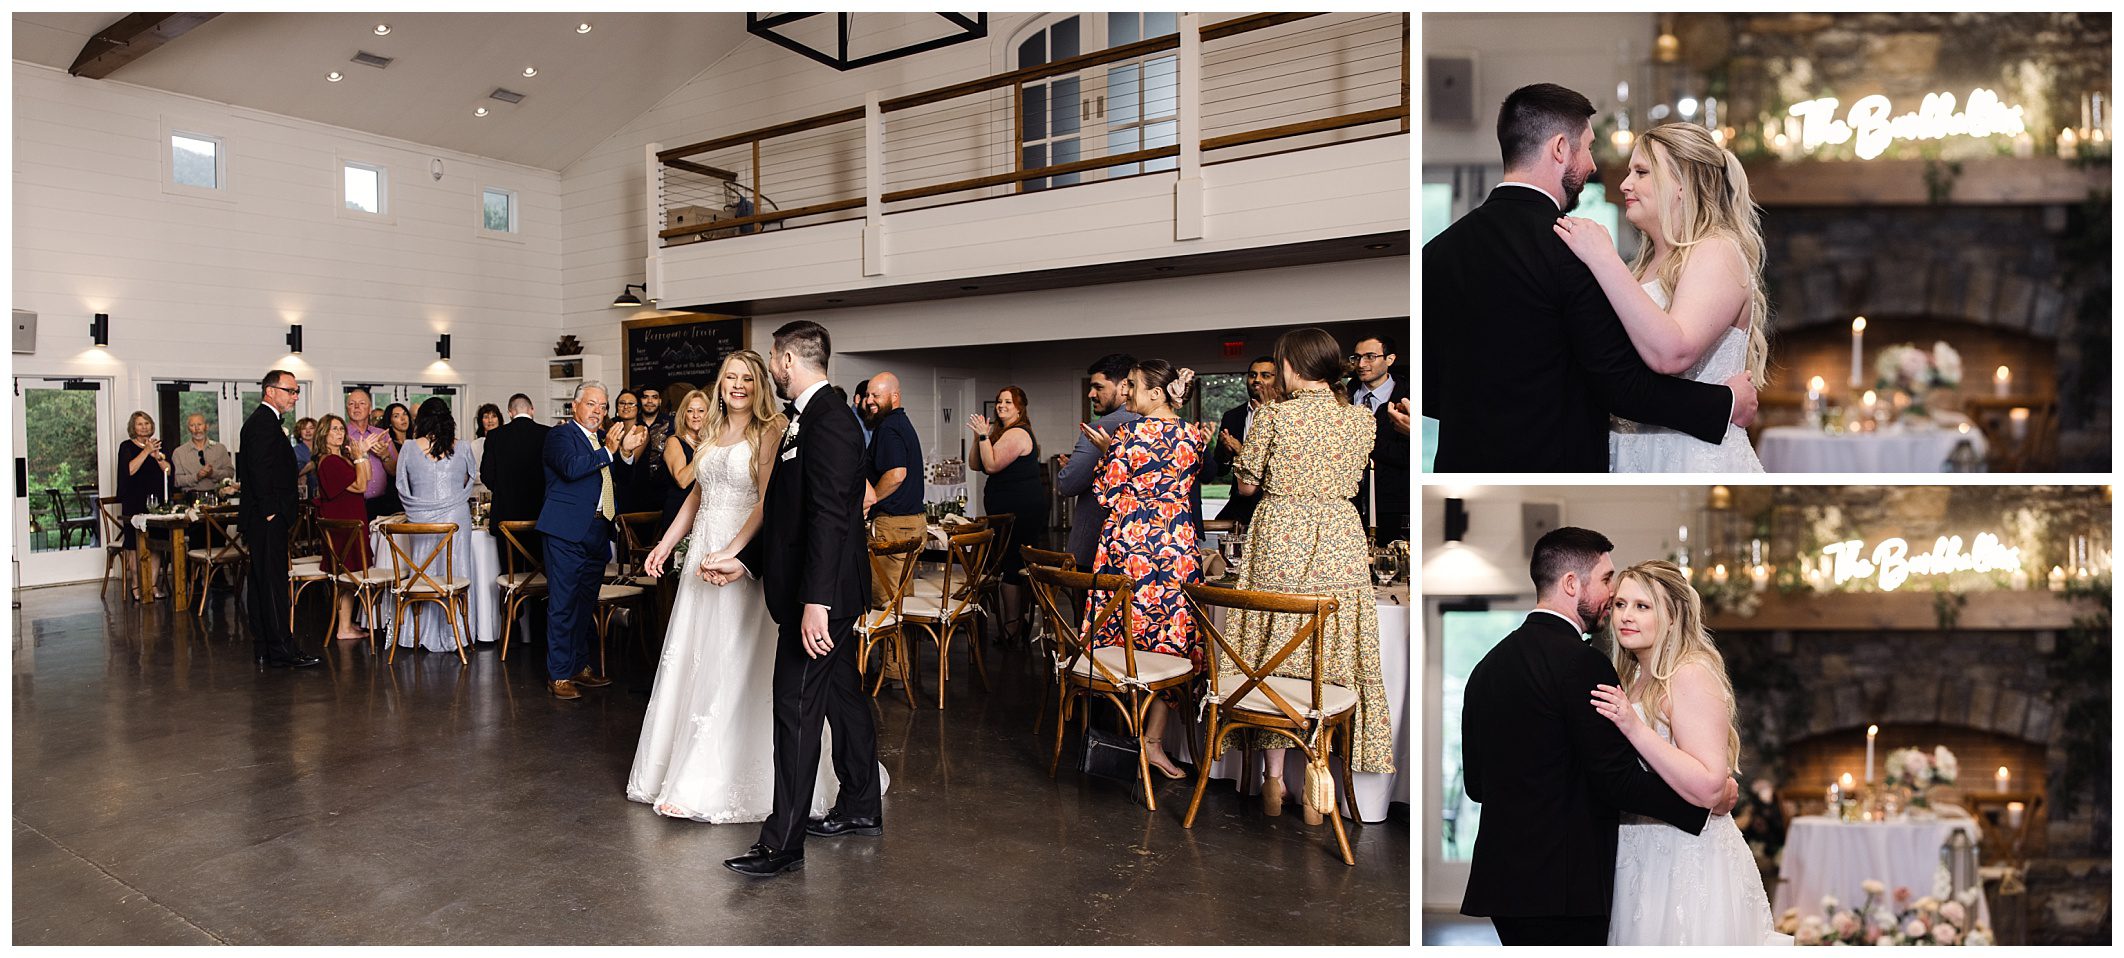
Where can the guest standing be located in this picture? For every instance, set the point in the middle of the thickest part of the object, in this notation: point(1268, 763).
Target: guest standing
point(305, 470)
point(343, 476)
point(576, 523)
point(201, 464)
point(512, 471)
point(143, 473)
point(1260, 389)
point(435, 477)
point(490, 419)
point(860, 399)
point(1304, 457)
point(894, 469)
point(1109, 401)
point(1374, 388)
point(265, 514)
point(398, 427)
point(361, 424)
point(1146, 467)
point(1006, 451)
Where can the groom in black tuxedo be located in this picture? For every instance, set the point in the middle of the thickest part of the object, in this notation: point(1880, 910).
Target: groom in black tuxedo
point(1553, 776)
point(812, 556)
point(1523, 356)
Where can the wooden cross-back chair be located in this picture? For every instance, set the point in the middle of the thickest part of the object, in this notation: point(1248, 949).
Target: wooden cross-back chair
point(368, 583)
point(941, 605)
point(1247, 694)
point(220, 547)
point(1129, 677)
point(304, 569)
point(523, 575)
point(114, 550)
point(631, 550)
point(988, 593)
point(881, 624)
point(413, 582)
point(1043, 635)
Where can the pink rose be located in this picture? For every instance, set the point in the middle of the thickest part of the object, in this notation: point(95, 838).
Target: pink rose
point(1914, 929)
point(1845, 923)
point(1945, 934)
point(1954, 913)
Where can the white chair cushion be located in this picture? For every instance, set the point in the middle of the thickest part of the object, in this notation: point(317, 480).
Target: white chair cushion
point(377, 576)
point(1150, 666)
point(528, 580)
point(609, 592)
point(1335, 699)
point(932, 608)
point(308, 570)
point(876, 620)
point(217, 554)
point(421, 587)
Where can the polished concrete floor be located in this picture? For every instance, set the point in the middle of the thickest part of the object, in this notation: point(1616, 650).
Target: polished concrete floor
point(167, 791)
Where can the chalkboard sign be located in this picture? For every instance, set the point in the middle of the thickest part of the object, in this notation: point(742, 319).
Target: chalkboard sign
point(687, 348)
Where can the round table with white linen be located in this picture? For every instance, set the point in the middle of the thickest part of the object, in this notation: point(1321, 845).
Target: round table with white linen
point(1824, 856)
point(1375, 791)
point(1892, 449)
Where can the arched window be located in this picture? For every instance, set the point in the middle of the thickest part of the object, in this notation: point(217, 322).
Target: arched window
point(1105, 110)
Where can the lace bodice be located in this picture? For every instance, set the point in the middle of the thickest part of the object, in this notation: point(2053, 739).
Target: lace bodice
point(1638, 447)
point(725, 477)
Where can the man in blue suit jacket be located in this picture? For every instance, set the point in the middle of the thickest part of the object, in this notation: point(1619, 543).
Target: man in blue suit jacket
point(582, 479)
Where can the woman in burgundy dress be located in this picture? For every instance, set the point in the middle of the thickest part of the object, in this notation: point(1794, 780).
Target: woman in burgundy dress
point(342, 474)
point(1147, 470)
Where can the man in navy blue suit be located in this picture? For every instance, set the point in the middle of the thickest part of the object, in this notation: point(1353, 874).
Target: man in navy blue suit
point(582, 479)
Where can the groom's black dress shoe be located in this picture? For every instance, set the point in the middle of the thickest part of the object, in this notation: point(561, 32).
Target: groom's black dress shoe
point(288, 660)
point(764, 862)
point(835, 825)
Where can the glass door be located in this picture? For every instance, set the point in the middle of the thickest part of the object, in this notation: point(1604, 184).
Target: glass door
point(221, 404)
point(1101, 111)
point(61, 436)
point(1465, 632)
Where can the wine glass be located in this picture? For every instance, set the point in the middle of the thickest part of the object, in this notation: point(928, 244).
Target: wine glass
point(1384, 568)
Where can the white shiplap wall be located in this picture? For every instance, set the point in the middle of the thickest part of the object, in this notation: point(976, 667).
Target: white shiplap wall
point(206, 287)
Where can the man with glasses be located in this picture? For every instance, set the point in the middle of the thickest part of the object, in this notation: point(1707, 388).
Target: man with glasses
point(360, 426)
point(266, 471)
point(1375, 388)
point(1262, 387)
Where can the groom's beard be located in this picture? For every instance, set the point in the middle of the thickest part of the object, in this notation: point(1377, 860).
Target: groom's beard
point(1594, 616)
point(781, 385)
point(1571, 189)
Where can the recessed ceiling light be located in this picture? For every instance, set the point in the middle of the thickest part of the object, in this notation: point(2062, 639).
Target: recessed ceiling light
point(530, 71)
point(482, 111)
point(585, 28)
point(1377, 245)
point(383, 29)
point(334, 76)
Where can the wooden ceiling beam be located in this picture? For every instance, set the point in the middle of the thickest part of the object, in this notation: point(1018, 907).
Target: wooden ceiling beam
point(133, 37)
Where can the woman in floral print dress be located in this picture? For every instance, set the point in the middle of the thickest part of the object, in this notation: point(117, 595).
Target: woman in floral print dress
point(1306, 455)
point(1148, 468)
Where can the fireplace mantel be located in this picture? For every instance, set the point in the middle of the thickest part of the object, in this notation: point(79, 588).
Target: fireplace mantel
point(2002, 181)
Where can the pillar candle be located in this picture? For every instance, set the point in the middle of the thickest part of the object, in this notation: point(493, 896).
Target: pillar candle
point(2017, 418)
point(2002, 381)
point(2005, 778)
point(1871, 731)
point(2068, 144)
point(2013, 814)
point(1858, 347)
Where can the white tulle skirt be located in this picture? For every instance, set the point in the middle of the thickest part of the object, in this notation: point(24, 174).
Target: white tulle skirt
point(1674, 888)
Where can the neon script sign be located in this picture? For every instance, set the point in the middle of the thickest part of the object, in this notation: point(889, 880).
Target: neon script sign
point(1874, 127)
point(1892, 564)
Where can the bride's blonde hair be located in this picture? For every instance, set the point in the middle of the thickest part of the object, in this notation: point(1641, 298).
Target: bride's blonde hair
point(764, 417)
point(1681, 640)
point(1714, 202)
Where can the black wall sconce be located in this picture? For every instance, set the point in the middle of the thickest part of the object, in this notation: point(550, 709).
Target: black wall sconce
point(295, 338)
point(442, 347)
point(100, 329)
point(627, 298)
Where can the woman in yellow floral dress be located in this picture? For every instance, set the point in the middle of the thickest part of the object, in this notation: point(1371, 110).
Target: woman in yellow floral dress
point(1306, 455)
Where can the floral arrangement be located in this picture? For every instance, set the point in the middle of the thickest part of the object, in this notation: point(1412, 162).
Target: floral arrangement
point(1912, 768)
point(1926, 921)
point(1913, 370)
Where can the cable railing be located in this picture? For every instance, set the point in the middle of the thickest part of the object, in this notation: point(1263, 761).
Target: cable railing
point(1255, 84)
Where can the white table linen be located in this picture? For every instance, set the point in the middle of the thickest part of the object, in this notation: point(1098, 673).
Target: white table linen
point(1824, 856)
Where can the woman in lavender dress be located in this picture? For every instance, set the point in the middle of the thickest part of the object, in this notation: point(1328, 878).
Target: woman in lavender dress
point(435, 477)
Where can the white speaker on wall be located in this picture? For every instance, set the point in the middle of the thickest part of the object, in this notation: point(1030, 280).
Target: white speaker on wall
point(25, 331)
point(1449, 88)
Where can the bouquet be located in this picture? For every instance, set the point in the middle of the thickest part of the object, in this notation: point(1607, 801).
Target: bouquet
point(1912, 768)
point(1926, 921)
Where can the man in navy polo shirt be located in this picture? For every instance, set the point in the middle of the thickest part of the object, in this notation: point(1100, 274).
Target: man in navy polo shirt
point(895, 475)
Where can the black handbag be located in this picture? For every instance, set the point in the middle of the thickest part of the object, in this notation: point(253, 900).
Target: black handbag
point(1110, 755)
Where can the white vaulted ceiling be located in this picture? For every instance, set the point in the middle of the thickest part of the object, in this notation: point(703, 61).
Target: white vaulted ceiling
point(445, 65)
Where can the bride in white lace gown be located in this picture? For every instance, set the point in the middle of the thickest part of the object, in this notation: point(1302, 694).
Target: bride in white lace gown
point(1693, 302)
point(1671, 887)
point(707, 746)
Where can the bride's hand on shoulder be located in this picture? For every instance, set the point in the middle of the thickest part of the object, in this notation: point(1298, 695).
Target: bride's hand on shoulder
point(1587, 239)
point(1612, 705)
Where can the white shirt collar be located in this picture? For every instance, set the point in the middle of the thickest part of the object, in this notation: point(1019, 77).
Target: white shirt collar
point(592, 433)
point(521, 415)
point(804, 398)
point(1537, 189)
point(1385, 388)
point(1576, 626)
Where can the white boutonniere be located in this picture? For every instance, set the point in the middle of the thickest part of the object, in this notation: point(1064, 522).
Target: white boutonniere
point(790, 434)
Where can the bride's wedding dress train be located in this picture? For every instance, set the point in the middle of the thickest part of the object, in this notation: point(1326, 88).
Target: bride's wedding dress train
point(1636, 447)
point(707, 746)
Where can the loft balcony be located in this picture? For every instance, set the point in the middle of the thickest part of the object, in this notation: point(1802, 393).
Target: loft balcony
point(1250, 142)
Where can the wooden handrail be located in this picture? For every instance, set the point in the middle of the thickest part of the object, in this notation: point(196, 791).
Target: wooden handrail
point(832, 206)
point(1028, 74)
point(701, 168)
point(849, 115)
point(1250, 23)
point(1059, 169)
point(1309, 126)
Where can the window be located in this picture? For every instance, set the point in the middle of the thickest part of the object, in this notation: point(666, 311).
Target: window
point(1143, 96)
point(1467, 637)
point(498, 210)
point(1098, 111)
point(195, 161)
point(365, 188)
